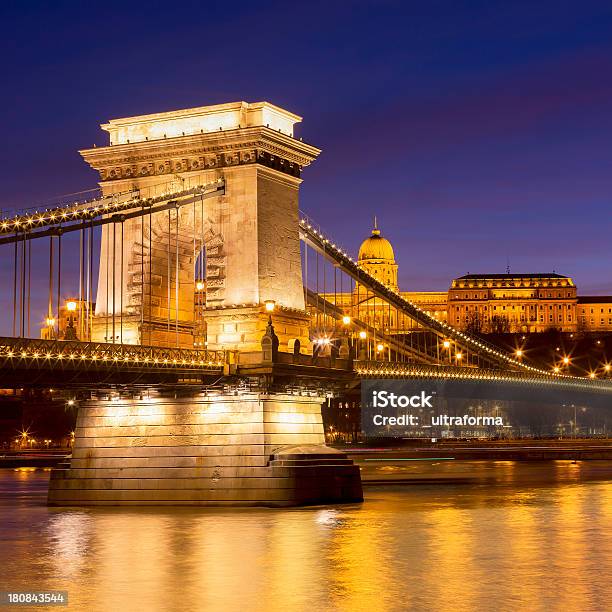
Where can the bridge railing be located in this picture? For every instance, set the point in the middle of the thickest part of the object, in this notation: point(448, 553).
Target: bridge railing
point(381, 369)
point(31, 353)
point(97, 211)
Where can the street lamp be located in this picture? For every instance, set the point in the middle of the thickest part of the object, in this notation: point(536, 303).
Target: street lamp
point(363, 335)
point(270, 305)
point(346, 320)
point(566, 361)
point(458, 356)
point(70, 333)
point(519, 353)
point(200, 285)
point(446, 344)
point(51, 326)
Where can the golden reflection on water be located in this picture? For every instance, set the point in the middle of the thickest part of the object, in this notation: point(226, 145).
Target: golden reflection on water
point(518, 537)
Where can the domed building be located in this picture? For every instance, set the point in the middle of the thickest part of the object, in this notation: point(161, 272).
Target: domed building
point(377, 258)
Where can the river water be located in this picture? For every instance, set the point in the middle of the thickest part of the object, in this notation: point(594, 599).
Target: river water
point(515, 536)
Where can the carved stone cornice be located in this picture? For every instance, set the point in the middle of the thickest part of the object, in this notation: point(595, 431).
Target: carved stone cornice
point(203, 151)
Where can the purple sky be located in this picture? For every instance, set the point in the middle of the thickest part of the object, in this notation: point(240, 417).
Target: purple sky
point(478, 136)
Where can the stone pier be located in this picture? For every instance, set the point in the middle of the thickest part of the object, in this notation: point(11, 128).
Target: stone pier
point(249, 449)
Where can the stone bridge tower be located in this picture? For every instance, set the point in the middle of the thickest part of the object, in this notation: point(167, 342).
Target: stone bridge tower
point(249, 234)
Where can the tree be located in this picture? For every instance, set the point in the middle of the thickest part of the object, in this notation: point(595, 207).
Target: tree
point(500, 324)
point(474, 323)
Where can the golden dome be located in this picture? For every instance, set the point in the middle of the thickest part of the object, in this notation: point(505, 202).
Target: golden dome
point(376, 247)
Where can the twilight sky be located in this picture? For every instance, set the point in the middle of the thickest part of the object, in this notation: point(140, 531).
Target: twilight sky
point(477, 135)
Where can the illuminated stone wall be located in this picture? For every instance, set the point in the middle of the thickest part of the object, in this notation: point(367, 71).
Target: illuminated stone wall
point(225, 449)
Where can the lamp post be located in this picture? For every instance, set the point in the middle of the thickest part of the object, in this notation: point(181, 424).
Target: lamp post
point(199, 307)
point(576, 420)
point(51, 326)
point(446, 344)
point(70, 333)
point(363, 335)
point(344, 351)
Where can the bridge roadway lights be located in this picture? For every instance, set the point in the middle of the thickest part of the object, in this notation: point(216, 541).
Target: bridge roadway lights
point(236, 449)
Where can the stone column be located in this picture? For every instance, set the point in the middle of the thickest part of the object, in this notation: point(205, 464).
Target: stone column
point(252, 240)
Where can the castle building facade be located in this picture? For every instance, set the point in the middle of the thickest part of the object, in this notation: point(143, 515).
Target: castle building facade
point(481, 303)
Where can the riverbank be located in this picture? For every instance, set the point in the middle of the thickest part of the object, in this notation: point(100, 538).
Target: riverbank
point(458, 450)
point(34, 459)
point(488, 450)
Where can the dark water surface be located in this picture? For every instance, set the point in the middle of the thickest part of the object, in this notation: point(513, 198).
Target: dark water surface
point(504, 536)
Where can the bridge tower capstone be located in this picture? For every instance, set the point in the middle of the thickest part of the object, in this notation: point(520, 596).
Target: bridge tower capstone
point(249, 234)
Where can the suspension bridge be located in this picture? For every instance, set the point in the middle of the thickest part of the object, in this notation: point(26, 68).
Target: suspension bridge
point(196, 312)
